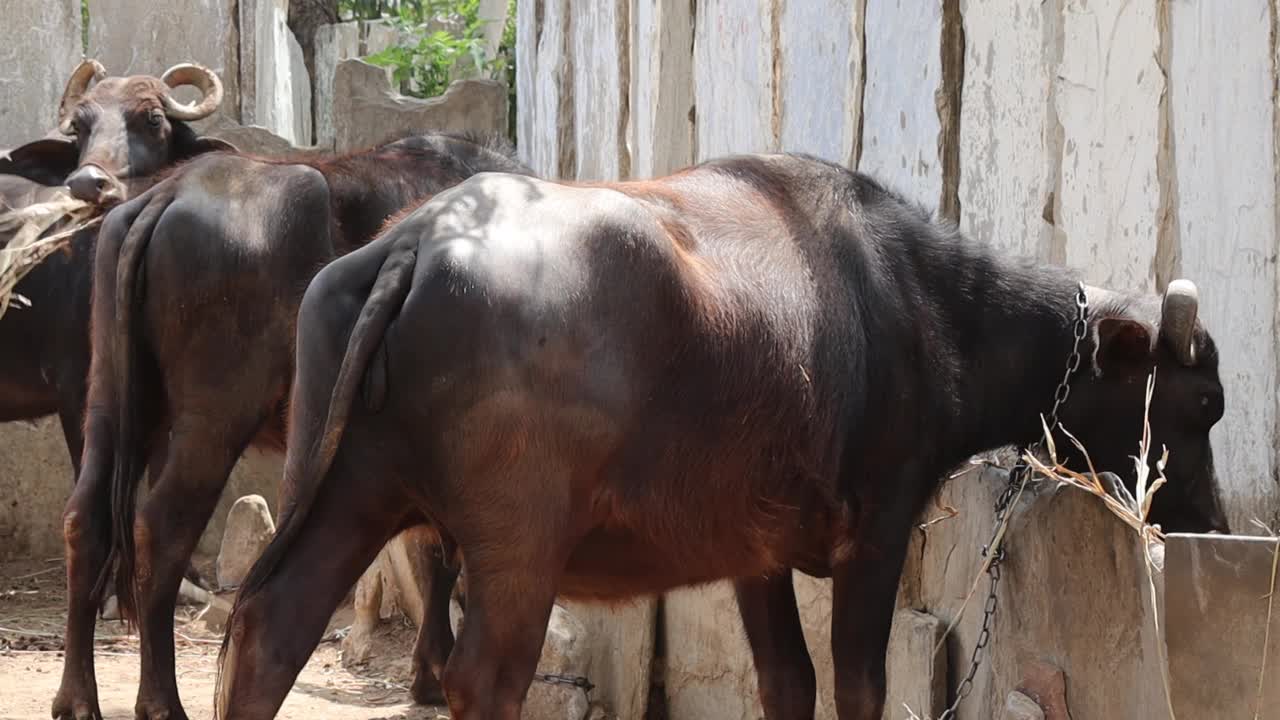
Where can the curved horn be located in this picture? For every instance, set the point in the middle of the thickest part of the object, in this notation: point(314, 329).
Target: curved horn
point(1178, 319)
point(199, 77)
point(86, 71)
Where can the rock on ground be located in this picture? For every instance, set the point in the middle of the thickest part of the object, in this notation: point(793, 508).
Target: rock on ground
point(249, 528)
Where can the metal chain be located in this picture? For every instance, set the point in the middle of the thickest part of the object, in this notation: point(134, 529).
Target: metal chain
point(577, 681)
point(1017, 480)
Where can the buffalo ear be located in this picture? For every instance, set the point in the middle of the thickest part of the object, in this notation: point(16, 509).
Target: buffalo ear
point(186, 144)
point(48, 161)
point(1124, 346)
point(205, 145)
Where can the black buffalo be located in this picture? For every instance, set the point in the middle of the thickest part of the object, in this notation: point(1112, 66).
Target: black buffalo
point(117, 134)
point(758, 365)
point(196, 290)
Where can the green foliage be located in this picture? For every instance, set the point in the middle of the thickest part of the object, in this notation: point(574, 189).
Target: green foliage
point(439, 37)
point(84, 26)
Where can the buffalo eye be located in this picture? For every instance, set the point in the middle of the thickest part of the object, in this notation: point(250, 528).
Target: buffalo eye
point(155, 118)
point(1211, 408)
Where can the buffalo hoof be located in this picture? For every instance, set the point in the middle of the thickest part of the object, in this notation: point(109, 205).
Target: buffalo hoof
point(426, 689)
point(66, 706)
point(159, 711)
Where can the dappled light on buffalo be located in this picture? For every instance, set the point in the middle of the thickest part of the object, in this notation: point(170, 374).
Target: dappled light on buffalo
point(499, 359)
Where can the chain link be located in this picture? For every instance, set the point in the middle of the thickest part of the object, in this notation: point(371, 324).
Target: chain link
point(577, 681)
point(1017, 480)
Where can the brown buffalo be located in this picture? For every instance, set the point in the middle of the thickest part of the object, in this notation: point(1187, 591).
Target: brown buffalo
point(758, 365)
point(196, 290)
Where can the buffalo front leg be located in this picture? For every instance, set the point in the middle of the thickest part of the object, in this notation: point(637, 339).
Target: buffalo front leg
point(86, 528)
point(864, 590)
point(772, 621)
point(435, 635)
point(165, 535)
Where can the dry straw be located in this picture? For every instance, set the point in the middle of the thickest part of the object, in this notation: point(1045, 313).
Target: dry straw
point(1132, 509)
point(29, 246)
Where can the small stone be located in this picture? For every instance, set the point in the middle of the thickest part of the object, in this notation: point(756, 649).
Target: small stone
point(111, 609)
point(248, 530)
point(215, 614)
point(1046, 686)
point(917, 675)
point(1020, 707)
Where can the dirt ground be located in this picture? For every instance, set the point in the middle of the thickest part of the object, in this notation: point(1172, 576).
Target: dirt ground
point(32, 615)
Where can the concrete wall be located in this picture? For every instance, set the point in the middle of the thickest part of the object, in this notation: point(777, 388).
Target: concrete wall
point(44, 29)
point(1132, 140)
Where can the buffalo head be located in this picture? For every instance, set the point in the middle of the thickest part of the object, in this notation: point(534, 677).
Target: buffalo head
point(1133, 337)
point(115, 129)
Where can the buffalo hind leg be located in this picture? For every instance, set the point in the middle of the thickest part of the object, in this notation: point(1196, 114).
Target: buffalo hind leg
point(173, 516)
point(435, 636)
point(784, 670)
point(86, 528)
point(275, 627)
point(510, 590)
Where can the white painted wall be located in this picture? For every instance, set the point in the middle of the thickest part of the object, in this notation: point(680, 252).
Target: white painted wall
point(1132, 139)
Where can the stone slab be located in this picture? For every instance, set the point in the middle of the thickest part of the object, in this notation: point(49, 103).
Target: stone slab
point(36, 480)
point(601, 101)
point(1009, 138)
point(367, 111)
point(39, 47)
point(1107, 94)
point(1066, 552)
point(275, 90)
point(820, 80)
point(1224, 237)
point(733, 78)
point(1218, 596)
point(662, 110)
point(334, 43)
point(900, 122)
point(544, 88)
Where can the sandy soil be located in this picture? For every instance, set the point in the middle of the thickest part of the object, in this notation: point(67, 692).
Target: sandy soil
point(32, 614)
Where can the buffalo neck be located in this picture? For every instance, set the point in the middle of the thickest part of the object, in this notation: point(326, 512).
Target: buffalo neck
point(1014, 332)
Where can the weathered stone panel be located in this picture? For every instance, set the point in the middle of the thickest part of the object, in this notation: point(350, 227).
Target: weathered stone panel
point(601, 98)
point(662, 104)
point(733, 77)
point(820, 79)
point(276, 91)
point(39, 47)
point(900, 123)
point(1066, 553)
point(147, 38)
point(36, 480)
point(367, 111)
point(544, 88)
point(1009, 138)
point(1107, 97)
point(334, 43)
point(1223, 161)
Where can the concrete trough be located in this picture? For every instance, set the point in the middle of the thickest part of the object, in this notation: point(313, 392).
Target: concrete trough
point(1218, 605)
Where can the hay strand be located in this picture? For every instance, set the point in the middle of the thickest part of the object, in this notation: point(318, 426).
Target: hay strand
point(1133, 509)
point(28, 246)
point(1266, 635)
